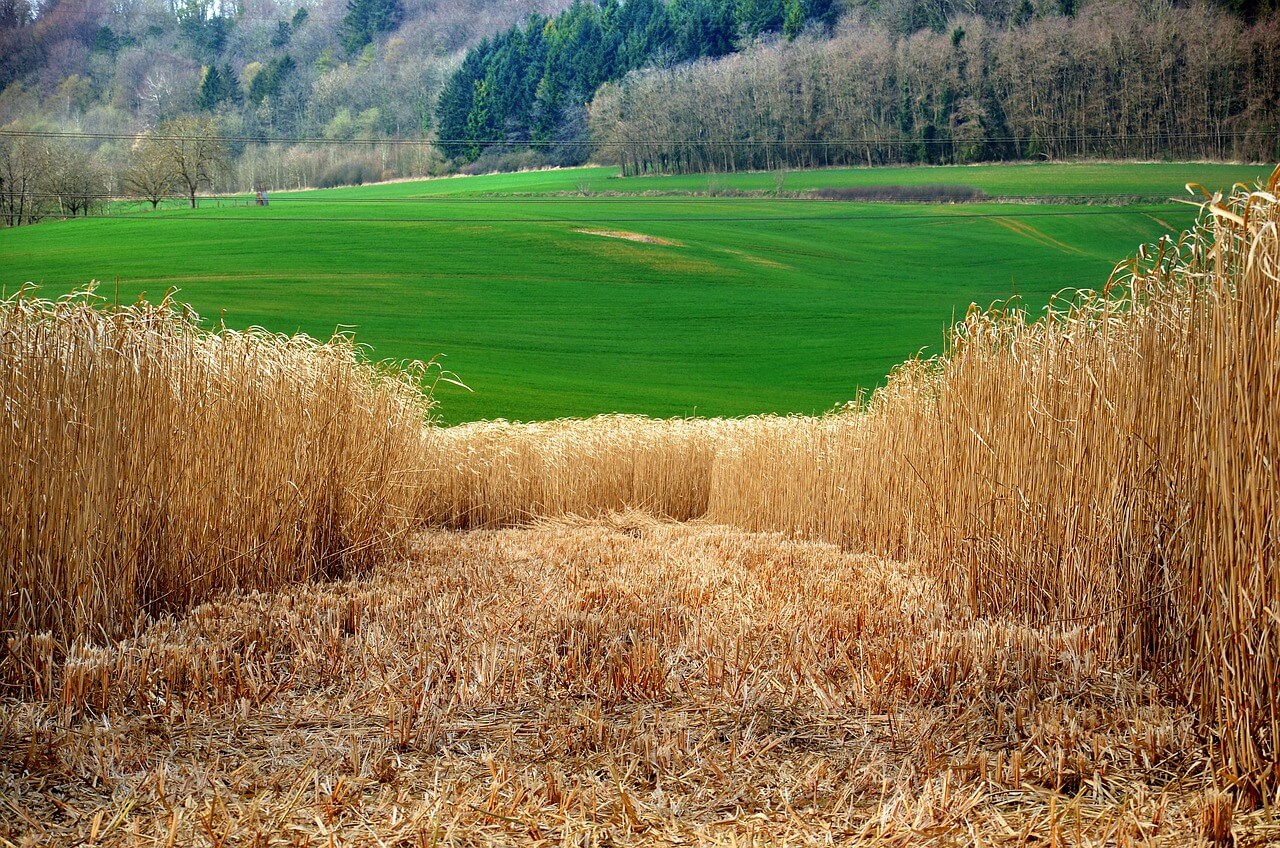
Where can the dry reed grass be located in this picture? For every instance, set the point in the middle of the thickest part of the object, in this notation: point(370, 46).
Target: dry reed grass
point(147, 463)
point(1112, 462)
point(497, 473)
point(1089, 502)
point(628, 682)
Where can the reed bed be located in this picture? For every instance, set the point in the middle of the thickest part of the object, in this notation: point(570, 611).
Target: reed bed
point(491, 474)
point(148, 463)
point(1087, 502)
point(1111, 462)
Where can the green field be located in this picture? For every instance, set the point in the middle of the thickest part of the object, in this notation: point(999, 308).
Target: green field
point(746, 305)
point(1148, 180)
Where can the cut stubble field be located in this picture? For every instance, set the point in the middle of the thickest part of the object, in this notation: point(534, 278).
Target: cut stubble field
point(714, 306)
point(618, 682)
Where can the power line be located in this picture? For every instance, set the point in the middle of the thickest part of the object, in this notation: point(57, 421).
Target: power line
point(171, 218)
point(642, 142)
point(287, 196)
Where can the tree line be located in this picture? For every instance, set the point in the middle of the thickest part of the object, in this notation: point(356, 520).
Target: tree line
point(653, 85)
point(354, 70)
point(1112, 80)
point(42, 177)
point(925, 80)
point(531, 83)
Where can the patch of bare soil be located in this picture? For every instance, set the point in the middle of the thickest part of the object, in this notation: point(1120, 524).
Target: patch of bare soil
point(641, 238)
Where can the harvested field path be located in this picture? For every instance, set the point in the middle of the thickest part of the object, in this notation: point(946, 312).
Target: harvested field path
point(619, 682)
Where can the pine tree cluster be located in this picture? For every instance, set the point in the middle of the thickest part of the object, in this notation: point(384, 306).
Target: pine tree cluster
point(529, 85)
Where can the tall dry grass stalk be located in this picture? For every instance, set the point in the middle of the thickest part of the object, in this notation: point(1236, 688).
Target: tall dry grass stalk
point(495, 473)
point(147, 463)
point(1113, 462)
point(1111, 466)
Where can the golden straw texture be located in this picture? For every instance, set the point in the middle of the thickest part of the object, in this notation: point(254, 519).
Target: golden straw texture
point(147, 462)
point(1112, 462)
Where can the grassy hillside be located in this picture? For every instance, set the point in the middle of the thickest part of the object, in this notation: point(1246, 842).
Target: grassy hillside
point(741, 306)
point(1031, 180)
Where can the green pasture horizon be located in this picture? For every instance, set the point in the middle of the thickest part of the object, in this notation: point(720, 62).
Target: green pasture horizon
point(553, 294)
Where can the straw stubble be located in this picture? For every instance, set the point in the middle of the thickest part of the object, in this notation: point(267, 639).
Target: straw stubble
point(1108, 467)
point(1112, 462)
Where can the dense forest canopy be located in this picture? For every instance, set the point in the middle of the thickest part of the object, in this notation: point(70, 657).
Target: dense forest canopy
point(532, 82)
point(728, 84)
point(1114, 80)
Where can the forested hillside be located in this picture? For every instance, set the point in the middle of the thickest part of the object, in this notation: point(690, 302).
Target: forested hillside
point(329, 92)
point(530, 84)
point(901, 81)
point(1115, 80)
point(338, 70)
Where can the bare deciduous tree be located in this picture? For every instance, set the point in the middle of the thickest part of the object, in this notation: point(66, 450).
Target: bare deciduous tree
point(72, 182)
point(150, 173)
point(194, 151)
point(22, 161)
point(1112, 81)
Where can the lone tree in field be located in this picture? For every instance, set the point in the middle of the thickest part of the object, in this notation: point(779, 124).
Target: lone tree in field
point(150, 174)
point(193, 151)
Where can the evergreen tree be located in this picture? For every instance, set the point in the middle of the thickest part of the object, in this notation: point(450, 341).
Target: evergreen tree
point(793, 22)
point(211, 89)
point(220, 85)
point(281, 36)
point(703, 28)
point(481, 122)
point(530, 83)
point(270, 79)
point(105, 41)
point(205, 31)
point(824, 12)
point(754, 17)
point(368, 18)
point(230, 84)
point(455, 104)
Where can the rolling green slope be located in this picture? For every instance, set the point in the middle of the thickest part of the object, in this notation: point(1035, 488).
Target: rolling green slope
point(730, 307)
point(1026, 180)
